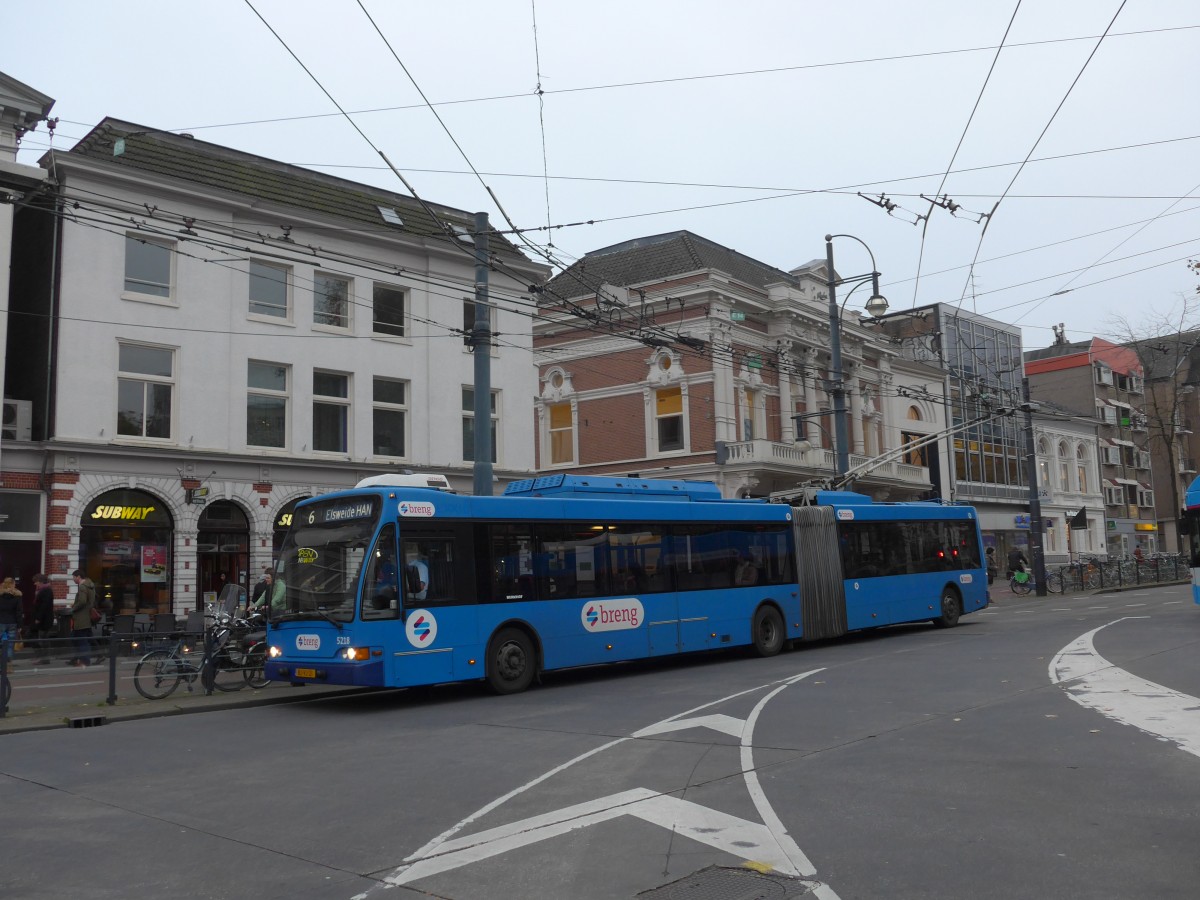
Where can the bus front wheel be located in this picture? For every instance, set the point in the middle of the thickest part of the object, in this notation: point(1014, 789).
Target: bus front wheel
point(951, 609)
point(511, 662)
point(767, 629)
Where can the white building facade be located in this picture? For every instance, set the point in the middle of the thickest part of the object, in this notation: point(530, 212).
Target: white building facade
point(228, 335)
point(1069, 483)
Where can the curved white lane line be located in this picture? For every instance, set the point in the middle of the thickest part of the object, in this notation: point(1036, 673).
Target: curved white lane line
point(1093, 682)
point(787, 846)
point(780, 833)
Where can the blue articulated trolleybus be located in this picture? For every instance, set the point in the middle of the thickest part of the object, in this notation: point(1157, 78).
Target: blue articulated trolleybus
point(393, 584)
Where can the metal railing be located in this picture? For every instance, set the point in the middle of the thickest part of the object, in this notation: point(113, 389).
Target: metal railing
point(1090, 575)
point(32, 673)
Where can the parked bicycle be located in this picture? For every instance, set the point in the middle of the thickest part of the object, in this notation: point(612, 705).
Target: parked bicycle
point(232, 658)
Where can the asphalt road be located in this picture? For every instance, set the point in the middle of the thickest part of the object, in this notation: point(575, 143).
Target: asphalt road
point(1043, 748)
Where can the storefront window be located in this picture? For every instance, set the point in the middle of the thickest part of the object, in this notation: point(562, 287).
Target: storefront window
point(125, 547)
point(222, 549)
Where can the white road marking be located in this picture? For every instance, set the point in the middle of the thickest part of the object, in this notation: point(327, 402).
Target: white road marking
point(747, 840)
point(768, 843)
point(1093, 682)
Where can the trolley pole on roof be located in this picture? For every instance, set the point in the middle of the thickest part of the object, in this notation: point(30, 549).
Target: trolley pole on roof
point(481, 345)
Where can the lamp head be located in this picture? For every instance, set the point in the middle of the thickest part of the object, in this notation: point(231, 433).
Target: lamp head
point(877, 305)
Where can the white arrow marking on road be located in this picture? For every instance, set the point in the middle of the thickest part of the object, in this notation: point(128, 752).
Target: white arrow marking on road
point(719, 722)
point(769, 843)
point(1093, 682)
point(747, 840)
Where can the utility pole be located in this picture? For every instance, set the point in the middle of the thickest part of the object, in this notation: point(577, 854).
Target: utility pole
point(481, 345)
point(1036, 548)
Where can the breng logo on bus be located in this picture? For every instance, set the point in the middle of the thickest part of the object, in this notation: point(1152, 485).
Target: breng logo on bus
point(612, 615)
point(845, 515)
point(420, 510)
point(308, 642)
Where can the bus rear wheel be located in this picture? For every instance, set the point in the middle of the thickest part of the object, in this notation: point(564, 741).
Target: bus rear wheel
point(511, 662)
point(767, 629)
point(951, 609)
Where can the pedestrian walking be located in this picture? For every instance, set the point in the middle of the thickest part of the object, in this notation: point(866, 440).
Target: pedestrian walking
point(43, 616)
point(81, 619)
point(10, 613)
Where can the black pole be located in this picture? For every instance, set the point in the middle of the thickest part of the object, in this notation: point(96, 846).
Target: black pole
point(1036, 548)
point(481, 344)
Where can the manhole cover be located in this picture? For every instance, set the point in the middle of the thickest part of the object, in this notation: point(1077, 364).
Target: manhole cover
point(724, 883)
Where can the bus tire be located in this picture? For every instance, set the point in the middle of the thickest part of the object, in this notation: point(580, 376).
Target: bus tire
point(511, 661)
point(767, 631)
point(951, 609)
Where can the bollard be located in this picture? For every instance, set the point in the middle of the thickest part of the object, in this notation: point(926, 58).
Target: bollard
point(113, 646)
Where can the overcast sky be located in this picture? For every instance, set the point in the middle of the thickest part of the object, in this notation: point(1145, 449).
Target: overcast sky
point(753, 124)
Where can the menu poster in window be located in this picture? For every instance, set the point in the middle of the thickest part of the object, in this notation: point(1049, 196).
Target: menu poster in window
point(154, 562)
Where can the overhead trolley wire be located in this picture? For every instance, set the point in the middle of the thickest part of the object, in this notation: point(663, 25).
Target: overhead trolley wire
point(962, 137)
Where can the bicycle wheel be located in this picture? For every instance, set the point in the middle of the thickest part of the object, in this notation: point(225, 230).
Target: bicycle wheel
point(256, 658)
point(1020, 587)
point(227, 673)
point(1054, 582)
point(158, 673)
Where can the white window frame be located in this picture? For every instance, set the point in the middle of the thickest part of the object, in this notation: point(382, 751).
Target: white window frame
point(550, 431)
point(286, 315)
point(1113, 496)
point(754, 419)
point(348, 316)
point(388, 406)
point(284, 395)
point(145, 380)
point(405, 324)
point(655, 419)
point(468, 412)
point(1112, 455)
point(333, 401)
point(1104, 375)
point(1145, 497)
point(1081, 468)
point(128, 293)
point(1064, 466)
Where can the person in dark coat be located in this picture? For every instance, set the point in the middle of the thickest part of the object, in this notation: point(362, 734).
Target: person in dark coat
point(43, 616)
point(10, 614)
point(81, 619)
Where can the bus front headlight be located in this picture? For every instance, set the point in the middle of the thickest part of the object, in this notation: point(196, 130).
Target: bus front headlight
point(274, 652)
point(357, 653)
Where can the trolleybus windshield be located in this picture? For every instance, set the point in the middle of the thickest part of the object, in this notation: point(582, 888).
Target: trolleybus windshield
point(322, 558)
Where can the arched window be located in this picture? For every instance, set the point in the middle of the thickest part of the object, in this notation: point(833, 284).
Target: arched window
point(1064, 466)
point(1043, 463)
point(1081, 467)
point(914, 414)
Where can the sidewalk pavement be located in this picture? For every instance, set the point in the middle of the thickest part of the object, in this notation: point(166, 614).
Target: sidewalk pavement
point(67, 714)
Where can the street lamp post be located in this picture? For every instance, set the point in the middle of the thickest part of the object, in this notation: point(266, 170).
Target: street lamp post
point(876, 306)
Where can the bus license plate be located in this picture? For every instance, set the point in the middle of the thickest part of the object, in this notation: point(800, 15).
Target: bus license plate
point(306, 673)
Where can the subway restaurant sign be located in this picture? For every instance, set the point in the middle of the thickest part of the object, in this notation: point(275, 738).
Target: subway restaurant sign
point(122, 512)
point(127, 507)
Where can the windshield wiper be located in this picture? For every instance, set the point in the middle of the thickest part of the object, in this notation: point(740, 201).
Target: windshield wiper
point(296, 615)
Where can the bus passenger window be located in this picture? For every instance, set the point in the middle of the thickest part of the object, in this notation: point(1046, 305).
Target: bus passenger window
point(429, 571)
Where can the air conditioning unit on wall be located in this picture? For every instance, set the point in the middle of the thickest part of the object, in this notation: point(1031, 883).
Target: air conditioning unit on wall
point(18, 420)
